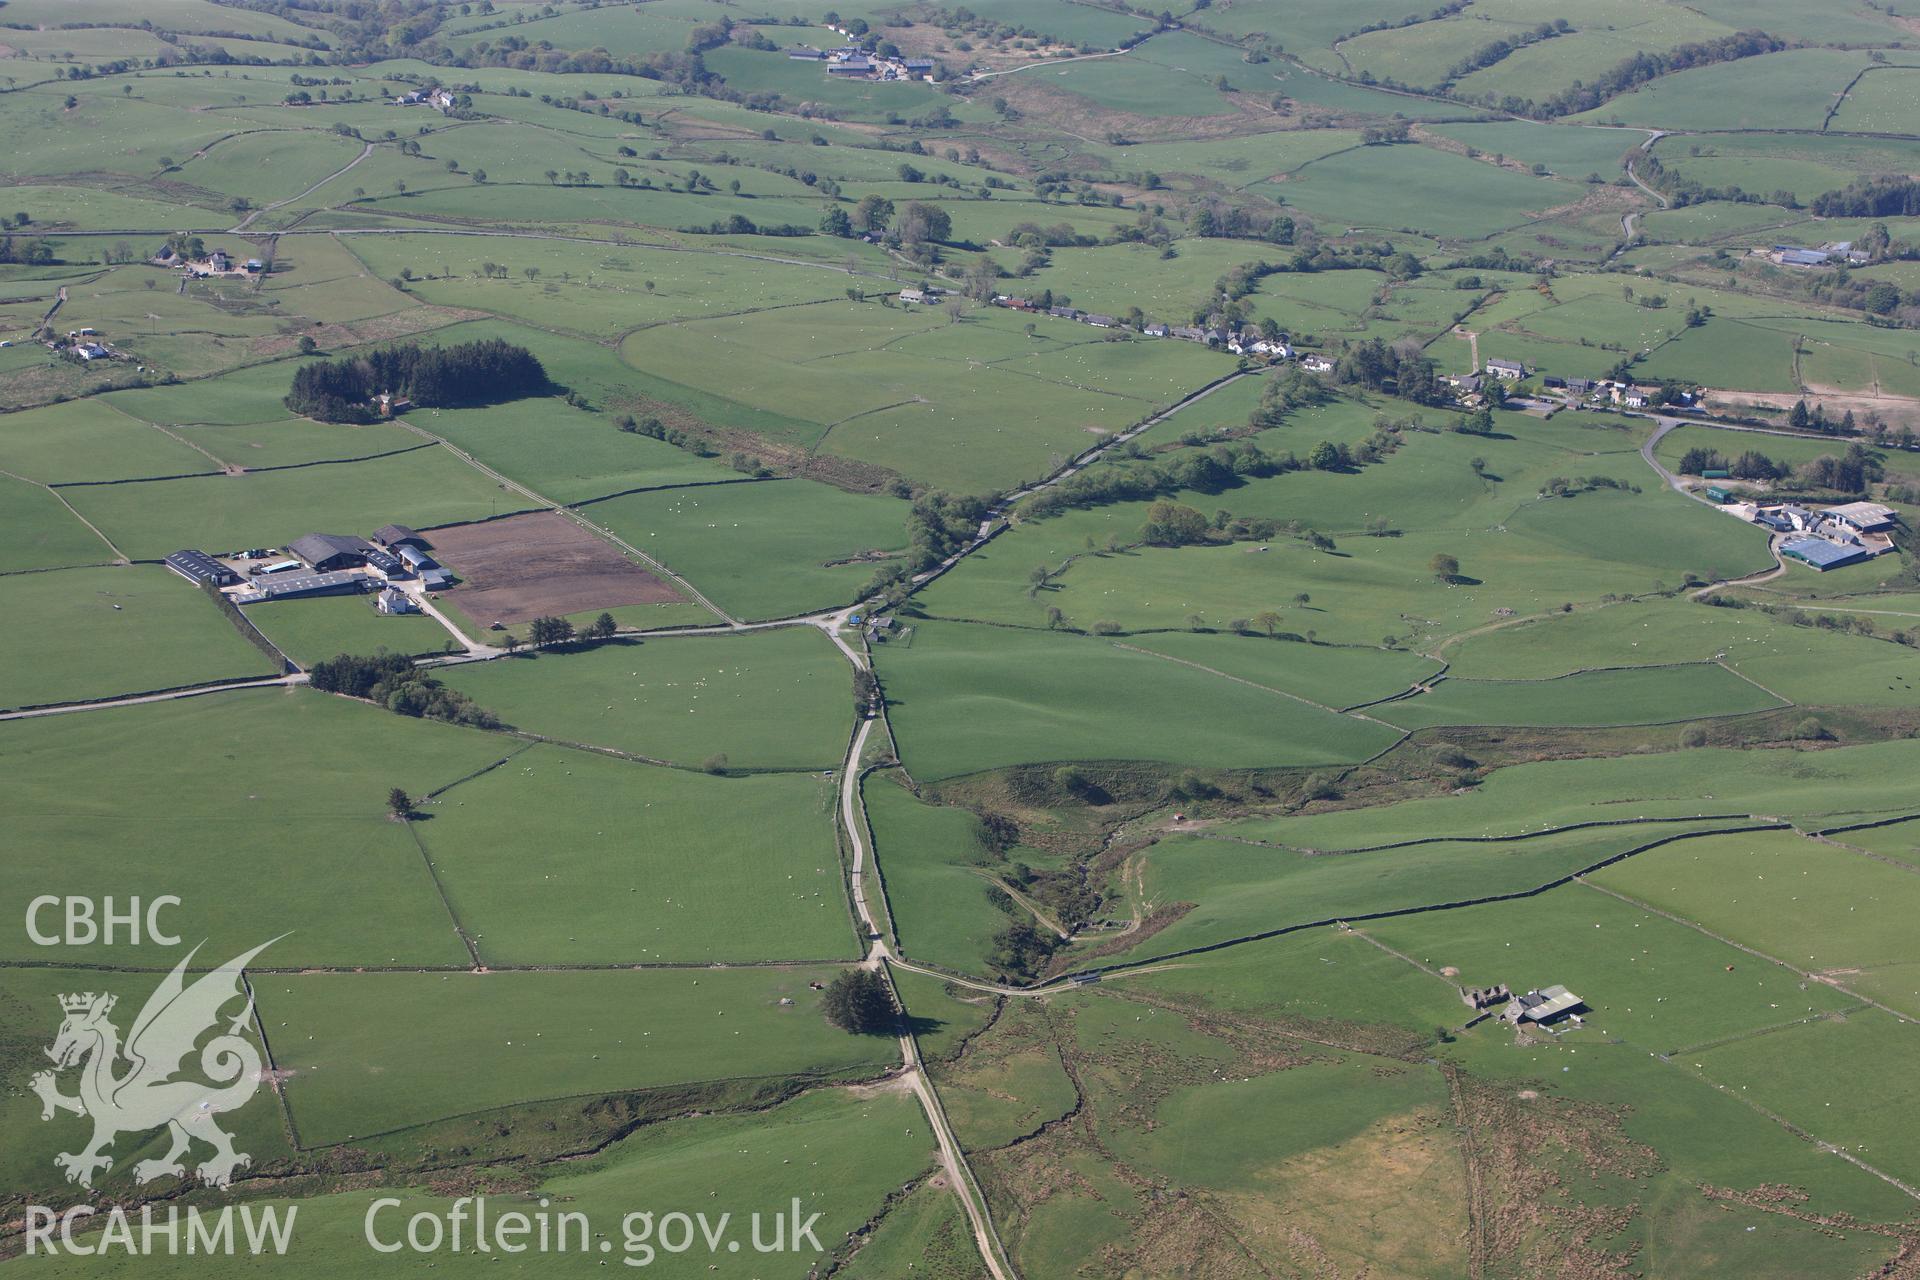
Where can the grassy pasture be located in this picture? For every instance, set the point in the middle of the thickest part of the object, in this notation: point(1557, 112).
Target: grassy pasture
point(1791, 90)
point(1805, 664)
point(568, 454)
point(313, 630)
point(1884, 101)
point(1652, 983)
point(592, 289)
point(857, 1149)
point(767, 550)
point(114, 630)
point(639, 865)
point(1816, 906)
point(269, 165)
point(1240, 889)
point(775, 699)
point(360, 1045)
point(38, 532)
point(85, 208)
point(1337, 677)
point(935, 870)
point(1870, 1113)
point(967, 698)
point(297, 441)
point(1422, 190)
point(194, 783)
point(1628, 695)
point(1529, 558)
point(1802, 785)
point(424, 488)
point(89, 440)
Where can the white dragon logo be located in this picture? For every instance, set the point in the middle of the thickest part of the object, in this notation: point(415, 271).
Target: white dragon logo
point(146, 1096)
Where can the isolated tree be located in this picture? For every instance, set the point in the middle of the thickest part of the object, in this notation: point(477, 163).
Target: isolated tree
point(1445, 567)
point(307, 345)
point(1268, 621)
point(835, 222)
point(858, 1002)
point(399, 803)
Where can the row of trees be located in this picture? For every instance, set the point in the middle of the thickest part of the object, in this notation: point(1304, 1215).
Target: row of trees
point(470, 373)
point(393, 681)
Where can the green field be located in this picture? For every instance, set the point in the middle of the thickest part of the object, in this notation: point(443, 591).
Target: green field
point(423, 488)
point(1182, 829)
point(264, 811)
point(651, 866)
point(766, 700)
point(966, 698)
point(1630, 695)
point(318, 628)
point(122, 629)
point(441, 1045)
point(769, 550)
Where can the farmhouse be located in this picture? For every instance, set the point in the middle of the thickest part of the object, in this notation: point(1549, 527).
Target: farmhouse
point(1316, 364)
point(202, 569)
point(1543, 1007)
point(1099, 321)
point(1156, 330)
point(1485, 997)
point(394, 601)
point(1507, 370)
point(913, 295)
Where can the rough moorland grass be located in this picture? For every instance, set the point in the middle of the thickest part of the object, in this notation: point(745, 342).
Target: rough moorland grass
point(563, 857)
point(966, 698)
point(375, 1052)
point(777, 699)
point(767, 550)
point(264, 811)
point(116, 629)
point(1814, 905)
point(1630, 695)
point(310, 631)
point(1240, 889)
point(425, 488)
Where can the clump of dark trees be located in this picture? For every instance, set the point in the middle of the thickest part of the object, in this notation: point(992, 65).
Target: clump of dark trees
point(471, 373)
point(393, 681)
point(859, 1003)
point(1852, 472)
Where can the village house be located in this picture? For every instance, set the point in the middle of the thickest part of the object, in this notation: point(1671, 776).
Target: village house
point(1507, 370)
point(1316, 364)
